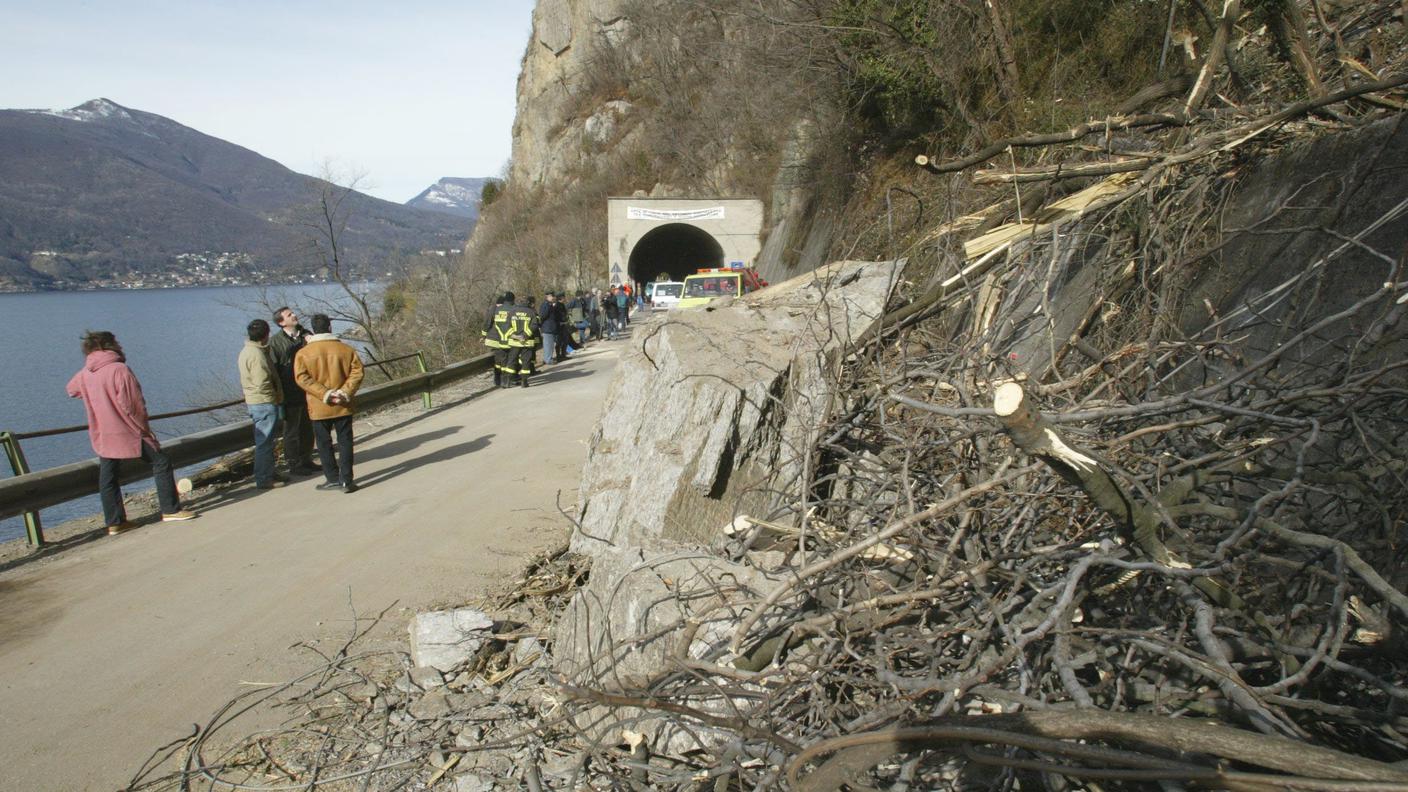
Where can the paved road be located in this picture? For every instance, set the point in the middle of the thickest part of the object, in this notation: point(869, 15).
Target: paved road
point(118, 646)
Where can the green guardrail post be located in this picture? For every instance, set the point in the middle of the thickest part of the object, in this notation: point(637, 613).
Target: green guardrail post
point(33, 528)
point(420, 361)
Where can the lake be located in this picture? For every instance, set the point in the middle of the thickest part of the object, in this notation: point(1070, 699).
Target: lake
point(181, 343)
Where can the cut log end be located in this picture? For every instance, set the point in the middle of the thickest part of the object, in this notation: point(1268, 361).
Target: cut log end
point(1008, 399)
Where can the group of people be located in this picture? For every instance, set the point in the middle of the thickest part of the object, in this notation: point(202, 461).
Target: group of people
point(300, 385)
point(306, 383)
point(514, 330)
point(296, 383)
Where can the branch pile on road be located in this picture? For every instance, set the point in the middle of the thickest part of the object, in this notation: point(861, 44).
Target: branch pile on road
point(372, 720)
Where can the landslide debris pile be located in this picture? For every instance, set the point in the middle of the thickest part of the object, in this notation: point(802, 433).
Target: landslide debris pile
point(1113, 495)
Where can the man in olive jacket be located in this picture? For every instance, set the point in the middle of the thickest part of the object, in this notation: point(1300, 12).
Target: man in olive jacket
point(284, 343)
point(329, 372)
point(263, 395)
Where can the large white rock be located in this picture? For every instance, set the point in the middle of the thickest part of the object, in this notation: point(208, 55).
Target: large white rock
point(444, 639)
point(713, 411)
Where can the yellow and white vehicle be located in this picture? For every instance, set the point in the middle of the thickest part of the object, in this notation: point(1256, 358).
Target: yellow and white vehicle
point(712, 282)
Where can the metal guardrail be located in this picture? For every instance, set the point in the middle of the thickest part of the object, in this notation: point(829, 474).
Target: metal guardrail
point(16, 436)
point(30, 492)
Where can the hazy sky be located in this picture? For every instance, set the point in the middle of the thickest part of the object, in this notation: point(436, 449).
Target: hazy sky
point(404, 92)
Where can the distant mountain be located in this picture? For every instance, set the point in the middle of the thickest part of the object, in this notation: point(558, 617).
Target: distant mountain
point(451, 195)
point(105, 195)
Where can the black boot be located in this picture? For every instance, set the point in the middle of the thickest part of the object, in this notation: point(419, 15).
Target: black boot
point(523, 381)
point(498, 378)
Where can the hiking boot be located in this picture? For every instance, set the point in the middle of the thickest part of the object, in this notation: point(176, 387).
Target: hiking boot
point(329, 485)
point(178, 516)
point(350, 487)
point(122, 527)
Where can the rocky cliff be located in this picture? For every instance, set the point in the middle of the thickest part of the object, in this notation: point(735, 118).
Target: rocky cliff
point(549, 132)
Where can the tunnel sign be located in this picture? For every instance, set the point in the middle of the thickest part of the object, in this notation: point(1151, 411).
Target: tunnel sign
point(641, 213)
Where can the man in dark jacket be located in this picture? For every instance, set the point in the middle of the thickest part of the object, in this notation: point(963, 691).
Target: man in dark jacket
point(564, 325)
point(547, 320)
point(613, 316)
point(298, 430)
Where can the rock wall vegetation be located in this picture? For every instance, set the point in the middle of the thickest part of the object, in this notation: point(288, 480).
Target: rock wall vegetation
point(1111, 492)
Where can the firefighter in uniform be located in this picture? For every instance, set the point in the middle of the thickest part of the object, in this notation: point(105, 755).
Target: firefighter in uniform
point(492, 339)
point(522, 339)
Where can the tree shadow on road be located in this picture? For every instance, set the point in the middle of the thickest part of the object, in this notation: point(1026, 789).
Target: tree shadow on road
point(402, 445)
point(443, 455)
point(422, 415)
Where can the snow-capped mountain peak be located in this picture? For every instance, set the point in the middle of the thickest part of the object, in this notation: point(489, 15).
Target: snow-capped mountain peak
point(95, 110)
point(451, 195)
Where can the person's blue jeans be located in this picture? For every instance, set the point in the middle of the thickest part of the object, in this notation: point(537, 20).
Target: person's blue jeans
point(549, 347)
point(266, 418)
point(111, 493)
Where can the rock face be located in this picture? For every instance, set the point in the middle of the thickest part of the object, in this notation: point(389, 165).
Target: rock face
point(565, 125)
point(710, 415)
point(567, 34)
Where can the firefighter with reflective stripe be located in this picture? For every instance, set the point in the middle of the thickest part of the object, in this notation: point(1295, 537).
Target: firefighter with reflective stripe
point(523, 338)
point(492, 340)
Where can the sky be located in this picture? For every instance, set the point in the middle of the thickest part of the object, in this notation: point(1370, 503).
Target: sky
point(398, 93)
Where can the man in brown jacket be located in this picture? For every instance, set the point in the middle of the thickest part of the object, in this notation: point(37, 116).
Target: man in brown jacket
point(329, 372)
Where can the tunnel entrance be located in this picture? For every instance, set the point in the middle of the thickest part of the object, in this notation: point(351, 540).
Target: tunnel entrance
point(677, 249)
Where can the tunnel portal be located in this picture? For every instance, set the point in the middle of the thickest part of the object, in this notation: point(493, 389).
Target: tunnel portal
point(677, 249)
point(649, 238)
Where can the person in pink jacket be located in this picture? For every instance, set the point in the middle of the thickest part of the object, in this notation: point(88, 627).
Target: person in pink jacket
point(118, 428)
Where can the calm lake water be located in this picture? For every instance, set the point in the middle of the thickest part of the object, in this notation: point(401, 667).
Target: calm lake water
point(181, 343)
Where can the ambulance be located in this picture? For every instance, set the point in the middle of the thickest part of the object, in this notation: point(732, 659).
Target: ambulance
point(711, 282)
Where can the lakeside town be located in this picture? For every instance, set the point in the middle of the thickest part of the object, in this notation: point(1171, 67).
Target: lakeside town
point(183, 270)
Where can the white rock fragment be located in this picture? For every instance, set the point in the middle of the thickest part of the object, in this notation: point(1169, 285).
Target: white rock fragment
point(444, 639)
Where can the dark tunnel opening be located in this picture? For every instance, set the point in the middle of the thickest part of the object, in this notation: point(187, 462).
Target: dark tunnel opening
point(677, 249)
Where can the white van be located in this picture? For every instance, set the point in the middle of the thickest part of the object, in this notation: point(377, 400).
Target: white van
point(666, 294)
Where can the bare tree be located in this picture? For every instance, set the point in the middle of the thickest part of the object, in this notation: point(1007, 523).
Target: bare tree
point(326, 219)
